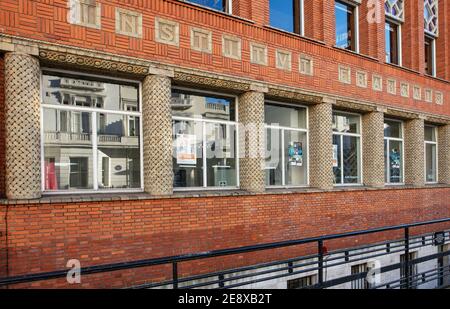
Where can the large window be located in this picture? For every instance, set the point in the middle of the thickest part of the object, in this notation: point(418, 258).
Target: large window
point(220, 5)
point(393, 151)
point(346, 16)
point(287, 15)
point(286, 142)
point(346, 148)
point(430, 55)
point(91, 133)
point(204, 140)
point(394, 10)
point(430, 154)
point(393, 46)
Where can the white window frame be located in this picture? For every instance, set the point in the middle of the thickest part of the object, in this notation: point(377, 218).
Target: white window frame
point(360, 161)
point(433, 53)
point(355, 6)
point(203, 121)
point(228, 6)
point(282, 130)
point(94, 112)
point(401, 139)
point(437, 155)
point(398, 23)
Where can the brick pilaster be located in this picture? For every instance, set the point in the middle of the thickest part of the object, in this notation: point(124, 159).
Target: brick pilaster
point(414, 152)
point(22, 124)
point(373, 148)
point(443, 41)
point(413, 53)
point(251, 141)
point(157, 129)
point(321, 145)
point(444, 154)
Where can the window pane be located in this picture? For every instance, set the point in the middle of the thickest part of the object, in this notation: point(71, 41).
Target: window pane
point(346, 123)
point(430, 134)
point(429, 55)
point(221, 155)
point(295, 158)
point(72, 90)
point(67, 150)
point(351, 159)
point(194, 105)
point(430, 162)
point(187, 154)
point(395, 161)
point(118, 152)
point(337, 168)
point(286, 116)
point(282, 14)
point(392, 129)
point(214, 4)
point(391, 40)
point(386, 162)
point(344, 25)
point(273, 158)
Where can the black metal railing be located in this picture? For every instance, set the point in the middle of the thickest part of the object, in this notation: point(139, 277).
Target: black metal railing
point(319, 264)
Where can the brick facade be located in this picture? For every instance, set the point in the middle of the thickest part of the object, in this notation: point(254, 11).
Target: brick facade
point(36, 235)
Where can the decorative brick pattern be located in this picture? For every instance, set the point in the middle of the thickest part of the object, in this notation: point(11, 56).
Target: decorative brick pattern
point(373, 148)
point(251, 141)
point(157, 123)
point(321, 145)
point(444, 154)
point(2, 126)
point(414, 152)
point(23, 127)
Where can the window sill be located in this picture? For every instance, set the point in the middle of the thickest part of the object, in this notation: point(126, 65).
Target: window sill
point(105, 197)
point(358, 54)
point(293, 34)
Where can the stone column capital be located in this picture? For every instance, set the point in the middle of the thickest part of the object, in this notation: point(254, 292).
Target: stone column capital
point(328, 100)
point(167, 72)
point(259, 87)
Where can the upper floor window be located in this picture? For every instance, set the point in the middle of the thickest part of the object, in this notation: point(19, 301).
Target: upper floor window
point(287, 15)
point(346, 148)
point(430, 154)
point(393, 151)
point(204, 132)
point(286, 142)
point(91, 133)
point(394, 17)
point(220, 5)
point(346, 16)
point(430, 55)
point(430, 14)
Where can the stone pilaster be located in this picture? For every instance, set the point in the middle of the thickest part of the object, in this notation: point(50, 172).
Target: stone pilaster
point(321, 145)
point(444, 154)
point(22, 122)
point(251, 140)
point(414, 152)
point(157, 130)
point(373, 148)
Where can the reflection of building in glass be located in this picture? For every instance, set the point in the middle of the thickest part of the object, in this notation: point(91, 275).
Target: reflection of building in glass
point(201, 106)
point(68, 134)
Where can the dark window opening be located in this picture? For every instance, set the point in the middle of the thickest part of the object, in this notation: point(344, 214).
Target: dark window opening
point(345, 26)
point(286, 15)
point(392, 50)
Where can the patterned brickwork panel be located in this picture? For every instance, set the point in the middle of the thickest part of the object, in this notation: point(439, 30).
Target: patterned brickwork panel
point(157, 123)
point(251, 141)
point(22, 110)
point(373, 149)
point(321, 146)
point(414, 152)
point(444, 154)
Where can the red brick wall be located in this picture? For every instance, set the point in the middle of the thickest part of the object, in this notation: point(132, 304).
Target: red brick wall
point(371, 32)
point(47, 21)
point(2, 127)
point(43, 237)
point(443, 42)
point(413, 36)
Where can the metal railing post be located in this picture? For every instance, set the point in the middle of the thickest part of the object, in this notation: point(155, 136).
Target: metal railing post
point(320, 263)
point(175, 275)
point(406, 265)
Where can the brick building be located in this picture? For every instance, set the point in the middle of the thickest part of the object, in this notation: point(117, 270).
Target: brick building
point(138, 129)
